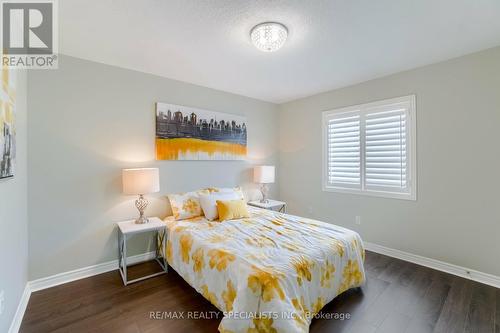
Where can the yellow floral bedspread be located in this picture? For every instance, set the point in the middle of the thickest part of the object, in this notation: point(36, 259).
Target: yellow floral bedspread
point(268, 273)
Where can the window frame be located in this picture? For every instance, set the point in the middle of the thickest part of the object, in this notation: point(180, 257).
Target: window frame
point(411, 147)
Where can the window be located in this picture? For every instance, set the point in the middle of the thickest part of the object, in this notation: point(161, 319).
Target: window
point(370, 149)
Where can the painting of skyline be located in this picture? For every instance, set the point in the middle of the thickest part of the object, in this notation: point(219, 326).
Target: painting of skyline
point(7, 129)
point(185, 133)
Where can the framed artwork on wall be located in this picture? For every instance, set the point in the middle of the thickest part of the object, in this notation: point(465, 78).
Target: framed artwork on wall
point(186, 133)
point(7, 123)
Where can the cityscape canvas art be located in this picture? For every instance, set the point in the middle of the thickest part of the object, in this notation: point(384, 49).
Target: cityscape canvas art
point(186, 133)
point(7, 119)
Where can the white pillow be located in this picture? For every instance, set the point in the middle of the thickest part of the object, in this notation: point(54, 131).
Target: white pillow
point(208, 203)
point(225, 190)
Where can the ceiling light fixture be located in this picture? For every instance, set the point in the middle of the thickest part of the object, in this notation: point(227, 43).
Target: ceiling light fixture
point(269, 36)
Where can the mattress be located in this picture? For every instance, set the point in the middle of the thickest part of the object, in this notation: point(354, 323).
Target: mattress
point(271, 272)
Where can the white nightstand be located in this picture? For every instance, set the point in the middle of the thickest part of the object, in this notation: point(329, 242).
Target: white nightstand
point(126, 229)
point(279, 206)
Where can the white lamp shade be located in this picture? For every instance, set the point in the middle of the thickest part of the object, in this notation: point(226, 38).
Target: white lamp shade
point(141, 181)
point(263, 174)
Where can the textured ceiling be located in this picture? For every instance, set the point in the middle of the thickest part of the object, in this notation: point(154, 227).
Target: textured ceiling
point(332, 43)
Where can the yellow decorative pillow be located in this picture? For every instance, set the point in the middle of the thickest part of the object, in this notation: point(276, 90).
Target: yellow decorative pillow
point(232, 209)
point(186, 205)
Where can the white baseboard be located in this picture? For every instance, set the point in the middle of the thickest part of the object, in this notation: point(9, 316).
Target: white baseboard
point(489, 279)
point(21, 308)
point(85, 272)
point(61, 278)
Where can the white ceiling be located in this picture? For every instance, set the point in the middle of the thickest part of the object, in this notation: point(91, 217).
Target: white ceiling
point(332, 43)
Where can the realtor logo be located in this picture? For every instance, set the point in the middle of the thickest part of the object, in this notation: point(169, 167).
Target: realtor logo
point(29, 34)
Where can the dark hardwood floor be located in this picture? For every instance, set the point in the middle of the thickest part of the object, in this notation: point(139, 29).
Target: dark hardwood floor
point(398, 297)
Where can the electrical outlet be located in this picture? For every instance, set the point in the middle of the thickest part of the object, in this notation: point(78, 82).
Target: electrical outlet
point(2, 301)
point(358, 220)
point(309, 209)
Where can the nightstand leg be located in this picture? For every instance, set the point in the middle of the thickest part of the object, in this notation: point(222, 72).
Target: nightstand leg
point(122, 257)
point(164, 250)
point(125, 257)
point(119, 250)
point(161, 238)
point(282, 209)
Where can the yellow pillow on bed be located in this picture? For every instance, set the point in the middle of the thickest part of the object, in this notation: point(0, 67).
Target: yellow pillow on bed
point(232, 209)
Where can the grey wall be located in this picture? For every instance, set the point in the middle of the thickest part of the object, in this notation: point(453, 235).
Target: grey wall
point(457, 215)
point(14, 216)
point(87, 122)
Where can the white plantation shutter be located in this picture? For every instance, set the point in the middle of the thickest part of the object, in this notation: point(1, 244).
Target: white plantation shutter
point(344, 151)
point(370, 149)
point(385, 150)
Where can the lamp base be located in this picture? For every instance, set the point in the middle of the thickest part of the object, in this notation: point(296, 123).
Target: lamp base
point(264, 189)
point(141, 205)
point(141, 220)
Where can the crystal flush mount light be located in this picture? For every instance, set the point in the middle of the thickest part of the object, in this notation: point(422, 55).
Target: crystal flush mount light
point(269, 36)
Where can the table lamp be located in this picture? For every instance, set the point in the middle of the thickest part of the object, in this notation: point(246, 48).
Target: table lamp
point(139, 182)
point(264, 174)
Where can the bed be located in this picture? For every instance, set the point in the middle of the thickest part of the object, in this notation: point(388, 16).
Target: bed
point(271, 272)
